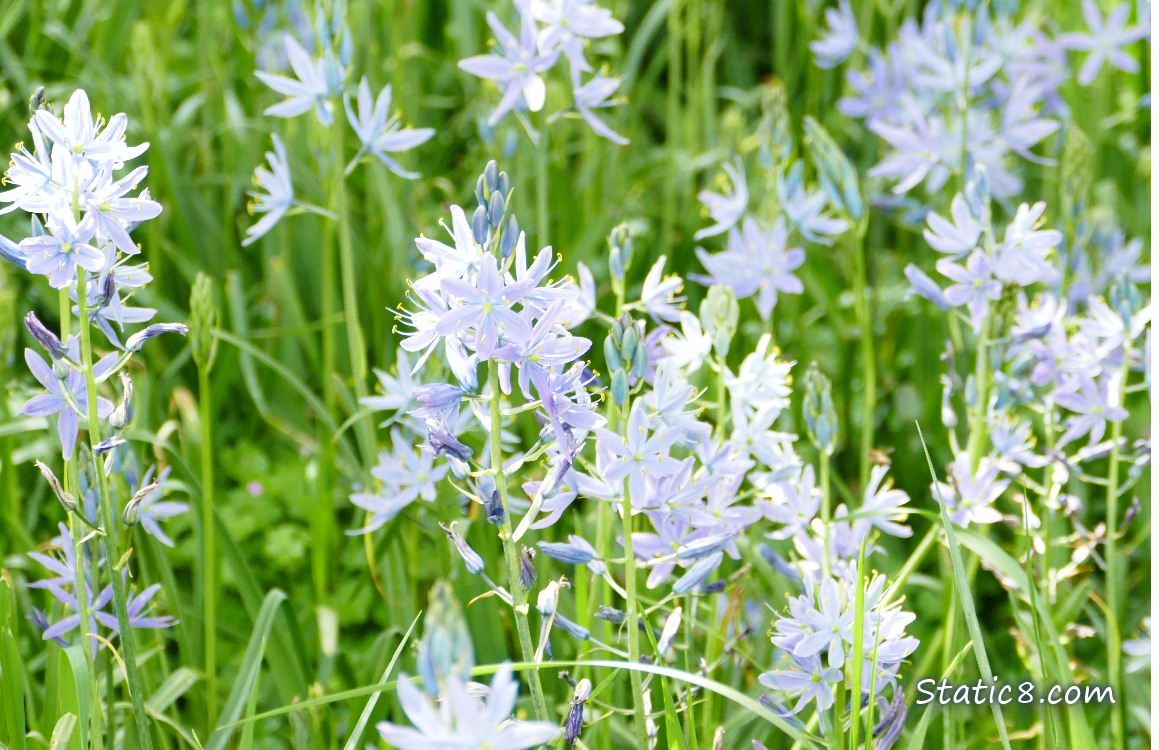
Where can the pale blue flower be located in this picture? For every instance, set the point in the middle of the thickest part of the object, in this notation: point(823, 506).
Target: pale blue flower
point(516, 68)
point(956, 237)
point(64, 395)
point(970, 496)
point(805, 679)
point(151, 509)
point(640, 454)
point(67, 246)
point(567, 23)
point(659, 293)
point(839, 40)
point(596, 94)
point(1105, 41)
point(463, 722)
point(314, 88)
point(975, 286)
point(725, 209)
point(484, 307)
point(379, 132)
point(1094, 407)
point(279, 195)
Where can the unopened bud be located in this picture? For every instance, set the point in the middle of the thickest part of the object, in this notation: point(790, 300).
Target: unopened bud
point(819, 412)
point(202, 321)
point(470, 557)
point(719, 317)
point(46, 338)
point(123, 411)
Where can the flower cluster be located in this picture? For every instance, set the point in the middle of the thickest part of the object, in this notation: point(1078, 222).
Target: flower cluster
point(83, 212)
point(759, 259)
point(318, 80)
point(966, 87)
point(549, 29)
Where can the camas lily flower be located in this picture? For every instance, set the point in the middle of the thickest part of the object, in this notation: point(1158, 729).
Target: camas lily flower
point(279, 195)
point(485, 308)
point(1105, 40)
point(725, 209)
point(516, 68)
point(567, 23)
point(596, 94)
point(380, 133)
point(63, 393)
point(314, 88)
point(66, 247)
point(464, 722)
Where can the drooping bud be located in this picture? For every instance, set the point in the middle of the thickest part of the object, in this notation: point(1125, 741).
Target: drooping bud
point(470, 557)
point(202, 322)
point(719, 317)
point(137, 340)
point(133, 507)
point(527, 574)
point(612, 615)
point(45, 337)
point(575, 717)
point(66, 499)
point(123, 411)
point(820, 415)
point(493, 504)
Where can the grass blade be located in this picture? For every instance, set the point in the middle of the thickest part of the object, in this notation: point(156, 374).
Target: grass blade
point(247, 677)
point(965, 597)
point(364, 718)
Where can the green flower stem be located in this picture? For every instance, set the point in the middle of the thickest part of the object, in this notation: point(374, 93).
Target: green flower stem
point(632, 604)
point(542, 182)
point(77, 530)
point(109, 540)
point(868, 354)
point(826, 511)
point(1114, 573)
point(208, 545)
point(510, 549)
point(982, 376)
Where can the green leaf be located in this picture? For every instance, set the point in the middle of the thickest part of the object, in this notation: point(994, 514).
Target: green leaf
point(12, 719)
point(175, 686)
point(74, 694)
point(63, 732)
point(364, 718)
point(247, 677)
point(965, 596)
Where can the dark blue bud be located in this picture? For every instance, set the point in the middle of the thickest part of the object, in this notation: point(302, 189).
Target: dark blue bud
point(576, 630)
point(479, 225)
point(503, 185)
point(697, 574)
point(45, 337)
point(494, 507)
point(137, 340)
point(527, 574)
point(612, 615)
point(496, 207)
point(470, 557)
point(442, 442)
point(566, 553)
point(510, 237)
point(491, 176)
point(482, 190)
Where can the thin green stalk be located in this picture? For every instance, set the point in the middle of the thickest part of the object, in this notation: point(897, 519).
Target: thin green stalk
point(542, 183)
point(640, 724)
point(78, 530)
point(858, 648)
point(982, 375)
point(1114, 575)
point(672, 120)
point(826, 510)
point(109, 541)
point(868, 353)
point(837, 732)
point(510, 549)
point(208, 545)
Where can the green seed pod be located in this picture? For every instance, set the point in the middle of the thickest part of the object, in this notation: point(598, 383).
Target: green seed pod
point(776, 130)
point(202, 320)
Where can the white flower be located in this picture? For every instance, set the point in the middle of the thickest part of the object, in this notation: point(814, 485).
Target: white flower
point(380, 133)
point(279, 195)
point(459, 721)
point(316, 83)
